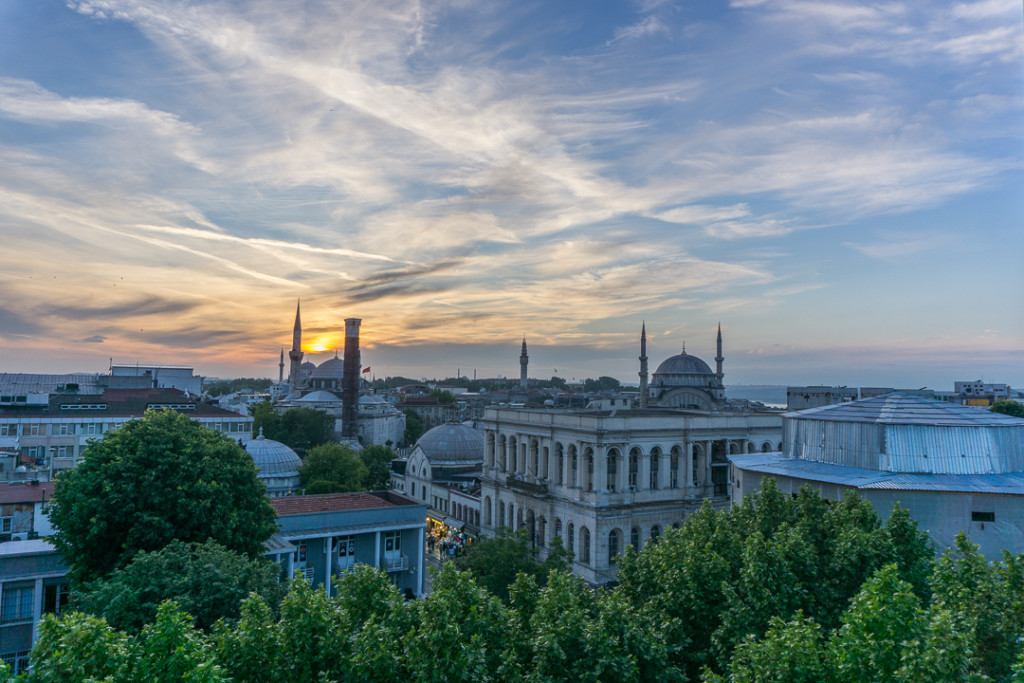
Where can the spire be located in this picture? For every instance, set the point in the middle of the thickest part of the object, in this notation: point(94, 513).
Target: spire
point(523, 361)
point(643, 365)
point(297, 329)
point(718, 358)
point(683, 352)
point(295, 355)
point(280, 368)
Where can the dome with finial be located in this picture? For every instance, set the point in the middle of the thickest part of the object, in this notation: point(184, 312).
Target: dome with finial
point(333, 368)
point(278, 464)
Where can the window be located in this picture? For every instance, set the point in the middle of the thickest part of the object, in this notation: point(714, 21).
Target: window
point(674, 470)
point(561, 468)
point(655, 534)
point(613, 545)
point(501, 514)
point(572, 481)
point(634, 467)
point(5, 525)
point(8, 430)
point(65, 428)
point(33, 430)
point(655, 457)
point(584, 544)
point(55, 598)
point(346, 547)
point(571, 537)
point(17, 661)
point(17, 604)
point(982, 516)
point(634, 539)
point(392, 542)
point(92, 428)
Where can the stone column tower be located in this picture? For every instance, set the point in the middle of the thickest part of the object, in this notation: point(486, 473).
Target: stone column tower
point(350, 380)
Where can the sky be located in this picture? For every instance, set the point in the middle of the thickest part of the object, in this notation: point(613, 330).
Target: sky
point(838, 184)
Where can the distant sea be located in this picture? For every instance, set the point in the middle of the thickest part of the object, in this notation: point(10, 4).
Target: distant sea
point(772, 395)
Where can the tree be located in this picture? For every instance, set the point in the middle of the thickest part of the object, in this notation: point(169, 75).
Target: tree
point(377, 460)
point(558, 383)
point(494, 562)
point(1008, 407)
point(77, 648)
point(443, 396)
point(206, 580)
point(301, 429)
point(332, 468)
point(790, 652)
point(414, 427)
point(157, 479)
point(602, 383)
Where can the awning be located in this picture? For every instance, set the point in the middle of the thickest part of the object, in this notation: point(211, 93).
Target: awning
point(453, 523)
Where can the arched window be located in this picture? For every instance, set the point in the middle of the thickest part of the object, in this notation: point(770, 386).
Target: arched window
point(613, 545)
point(487, 510)
point(613, 469)
point(413, 489)
point(674, 468)
point(634, 539)
point(634, 468)
point(571, 537)
point(501, 514)
point(561, 465)
point(655, 534)
point(655, 463)
point(512, 516)
point(542, 531)
point(574, 467)
point(589, 457)
point(584, 544)
point(766, 447)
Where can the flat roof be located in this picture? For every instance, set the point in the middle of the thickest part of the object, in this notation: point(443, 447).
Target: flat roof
point(337, 502)
point(810, 470)
point(26, 492)
point(36, 546)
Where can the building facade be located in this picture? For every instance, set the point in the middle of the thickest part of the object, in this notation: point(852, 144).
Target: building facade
point(320, 537)
point(955, 468)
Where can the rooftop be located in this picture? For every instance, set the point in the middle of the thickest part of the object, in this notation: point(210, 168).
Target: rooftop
point(337, 502)
point(27, 492)
point(117, 403)
point(907, 409)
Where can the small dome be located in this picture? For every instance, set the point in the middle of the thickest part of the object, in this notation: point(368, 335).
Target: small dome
point(330, 369)
point(452, 444)
point(273, 458)
point(320, 396)
point(683, 364)
point(308, 366)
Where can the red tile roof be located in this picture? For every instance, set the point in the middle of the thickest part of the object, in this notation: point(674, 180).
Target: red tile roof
point(26, 493)
point(327, 502)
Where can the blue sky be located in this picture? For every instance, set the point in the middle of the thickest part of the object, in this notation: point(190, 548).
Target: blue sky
point(838, 183)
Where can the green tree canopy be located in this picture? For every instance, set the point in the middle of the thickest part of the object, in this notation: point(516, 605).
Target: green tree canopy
point(207, 580)
point(228, 386)
point(414, 427)
point(332, 468)
point(443, 396)
point(1008, 407)
point(602, 383)
point(377, 460)
point(156, 479)
point(494, 562)
point(298, 428)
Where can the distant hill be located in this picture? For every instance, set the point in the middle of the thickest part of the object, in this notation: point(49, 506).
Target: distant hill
point(770, 394)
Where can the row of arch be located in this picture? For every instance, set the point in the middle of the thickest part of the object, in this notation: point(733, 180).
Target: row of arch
point(573, 465)
point(576, 539)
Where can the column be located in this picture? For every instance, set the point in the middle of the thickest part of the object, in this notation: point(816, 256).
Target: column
point(37, 608)
point(705, 473)
point(421, 569)
point(327, 574)
point(643, 472)
point(665, 470)
point(600, 456)
point(687, 464)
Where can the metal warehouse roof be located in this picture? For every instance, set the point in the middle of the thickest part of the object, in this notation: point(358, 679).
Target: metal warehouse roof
point(776, 465)
point(906, 409)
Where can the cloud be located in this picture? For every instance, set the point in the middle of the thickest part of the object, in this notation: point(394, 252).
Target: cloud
point(95, 339)
point(898, 247)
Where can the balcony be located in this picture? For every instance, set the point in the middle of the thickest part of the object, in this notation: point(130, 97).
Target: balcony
point(539, 488)
point(396, 564)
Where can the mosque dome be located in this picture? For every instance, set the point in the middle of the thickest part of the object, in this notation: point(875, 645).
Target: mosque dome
point(319, 396)
point(452, 444)
point(273, 458)
point(333, 368)
point(684, 364)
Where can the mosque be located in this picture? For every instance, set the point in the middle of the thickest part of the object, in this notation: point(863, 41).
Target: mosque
point(335, 388)
point(601, 479)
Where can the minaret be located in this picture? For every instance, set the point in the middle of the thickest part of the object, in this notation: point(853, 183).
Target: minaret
point(719, 375)
point(643, 366)
point(523, 361)
point(295, 355)
point(280, 369)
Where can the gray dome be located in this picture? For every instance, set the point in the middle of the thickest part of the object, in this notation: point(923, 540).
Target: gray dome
point(452, 444)
point(683, 364)
point(330, 369)
point(319, 396)
point(273, 458)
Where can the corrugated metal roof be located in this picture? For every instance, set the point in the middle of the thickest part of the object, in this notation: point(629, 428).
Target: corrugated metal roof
point(900, 408)
point(775, 464)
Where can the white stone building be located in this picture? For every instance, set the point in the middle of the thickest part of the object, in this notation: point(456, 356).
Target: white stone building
point(602, 479)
